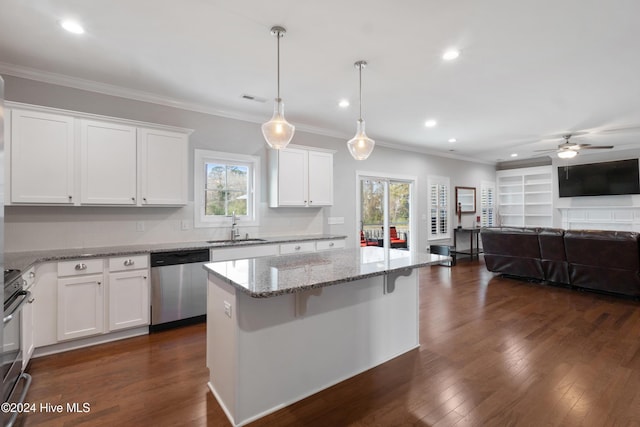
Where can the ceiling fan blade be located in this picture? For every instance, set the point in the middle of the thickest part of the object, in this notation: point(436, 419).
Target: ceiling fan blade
point(546, 151)
point(596, 147)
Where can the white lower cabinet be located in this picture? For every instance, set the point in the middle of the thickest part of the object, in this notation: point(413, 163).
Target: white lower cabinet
point(256, 251)
point(297, 248)
point(80, 306)
point(89, 297)
point(29, 280)
point(45, 305)
point(327, 245)
point(128, 299)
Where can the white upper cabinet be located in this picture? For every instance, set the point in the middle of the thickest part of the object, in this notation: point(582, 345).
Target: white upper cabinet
point(300, 176)
point(163, 167)
point(320, 178)
point(292, 177)
point(73, 158)
point(107, 163)
point(42, 158)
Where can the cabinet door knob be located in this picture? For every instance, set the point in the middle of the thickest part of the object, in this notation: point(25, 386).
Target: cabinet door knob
point(129, 262)
point(81, 266)
point(70, 198)
point(331, 244)
point(297, 248)
point(32, 275)
point(144, 277)
point(99, 283)
point(31, 300)
point(144, 199)
point(133, 199)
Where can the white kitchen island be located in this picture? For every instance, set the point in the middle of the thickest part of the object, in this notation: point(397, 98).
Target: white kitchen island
point(282, 328)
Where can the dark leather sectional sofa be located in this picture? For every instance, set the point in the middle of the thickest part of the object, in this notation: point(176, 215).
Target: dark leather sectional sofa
point(605, 261)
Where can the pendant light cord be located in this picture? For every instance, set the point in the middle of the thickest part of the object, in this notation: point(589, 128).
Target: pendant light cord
point(360, 74)
point(278, 35)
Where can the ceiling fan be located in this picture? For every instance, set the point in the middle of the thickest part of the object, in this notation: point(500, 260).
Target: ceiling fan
point(568, 150)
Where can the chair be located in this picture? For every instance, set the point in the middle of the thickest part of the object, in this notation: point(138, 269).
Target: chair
point(396, 242)
point(367, 242)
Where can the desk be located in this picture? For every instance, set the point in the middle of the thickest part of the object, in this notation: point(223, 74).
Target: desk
point(474, 242)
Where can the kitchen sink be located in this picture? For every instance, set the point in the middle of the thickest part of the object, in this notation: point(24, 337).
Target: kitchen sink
point(236, 241)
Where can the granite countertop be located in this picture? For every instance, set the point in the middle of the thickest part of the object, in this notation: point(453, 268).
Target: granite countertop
point(272, 276)
point(24, 260)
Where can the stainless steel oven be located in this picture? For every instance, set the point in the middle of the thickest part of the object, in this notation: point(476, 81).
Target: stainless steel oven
point(15, 383)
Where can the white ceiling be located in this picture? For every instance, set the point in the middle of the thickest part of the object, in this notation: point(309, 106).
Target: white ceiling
point(529, 69)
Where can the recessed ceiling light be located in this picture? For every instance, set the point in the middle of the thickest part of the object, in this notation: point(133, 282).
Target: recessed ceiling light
point(514, 154)
point(430, 123)
point(72, 26)
point(451, 54)
point(344, 103)
point(452, 140)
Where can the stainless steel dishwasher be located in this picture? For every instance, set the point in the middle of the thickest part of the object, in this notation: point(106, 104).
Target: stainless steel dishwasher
point(178, 288)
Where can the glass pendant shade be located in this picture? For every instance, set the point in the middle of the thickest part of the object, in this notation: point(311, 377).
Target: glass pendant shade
point(278, 131)
point(567, 154)
point(360, 146)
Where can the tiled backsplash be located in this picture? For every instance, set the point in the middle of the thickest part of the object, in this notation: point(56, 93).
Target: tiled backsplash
point(41, 228)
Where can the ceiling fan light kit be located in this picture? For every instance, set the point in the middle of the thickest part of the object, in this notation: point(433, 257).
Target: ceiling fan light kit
point(360, 146)
point(567, 154)
point(278, 132)
point(568, 150)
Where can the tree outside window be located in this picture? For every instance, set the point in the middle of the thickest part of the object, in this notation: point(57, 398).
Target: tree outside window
point(226, 189)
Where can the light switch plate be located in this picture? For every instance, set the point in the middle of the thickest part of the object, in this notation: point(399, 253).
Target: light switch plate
point(333, 220)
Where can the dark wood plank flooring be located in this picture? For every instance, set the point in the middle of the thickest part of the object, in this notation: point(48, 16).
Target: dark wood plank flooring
point(494, 352)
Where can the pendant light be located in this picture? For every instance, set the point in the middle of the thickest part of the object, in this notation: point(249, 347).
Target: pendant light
point(360, 146)
point(277, 131)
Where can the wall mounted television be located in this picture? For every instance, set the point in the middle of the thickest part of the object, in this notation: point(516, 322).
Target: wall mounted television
point(599, 179)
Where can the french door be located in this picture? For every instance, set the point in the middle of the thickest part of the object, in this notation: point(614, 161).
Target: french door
point(385, 207)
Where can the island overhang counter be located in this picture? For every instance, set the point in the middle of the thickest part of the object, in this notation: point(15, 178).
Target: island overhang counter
point(282, 328)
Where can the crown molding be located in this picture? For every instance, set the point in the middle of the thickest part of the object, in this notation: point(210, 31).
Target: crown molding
point(119, 91)
point(138, 95)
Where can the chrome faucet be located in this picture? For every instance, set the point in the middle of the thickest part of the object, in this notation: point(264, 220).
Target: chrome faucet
point(235, 233)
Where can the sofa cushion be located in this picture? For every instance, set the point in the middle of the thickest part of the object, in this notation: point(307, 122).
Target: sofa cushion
point(600, 248)
point(512, 251)
point(552, 255)
point(604, 260)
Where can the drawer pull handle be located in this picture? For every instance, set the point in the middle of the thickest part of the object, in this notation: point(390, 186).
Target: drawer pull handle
point(331, 244)
point(31, 300)
point(81, 266)
point(297, 248)
point(99, 283)
point(129, 262)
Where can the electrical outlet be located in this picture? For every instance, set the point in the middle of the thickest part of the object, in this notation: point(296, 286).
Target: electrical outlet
point(140, 226)
point(184, 224)
point(227, 309)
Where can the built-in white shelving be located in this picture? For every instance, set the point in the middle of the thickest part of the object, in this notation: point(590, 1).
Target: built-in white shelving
point(525, 197)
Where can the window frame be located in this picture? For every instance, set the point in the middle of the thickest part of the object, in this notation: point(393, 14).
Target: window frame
point(441, 183)
point(488, 204)
point(201, 158)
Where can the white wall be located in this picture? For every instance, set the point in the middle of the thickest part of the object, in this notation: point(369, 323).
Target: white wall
point(33, 228)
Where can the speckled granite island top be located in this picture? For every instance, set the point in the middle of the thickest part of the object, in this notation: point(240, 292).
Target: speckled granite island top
point(24, 260)
point(279, 275)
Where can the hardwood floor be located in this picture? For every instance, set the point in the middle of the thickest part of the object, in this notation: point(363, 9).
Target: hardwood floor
point(494, 352)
